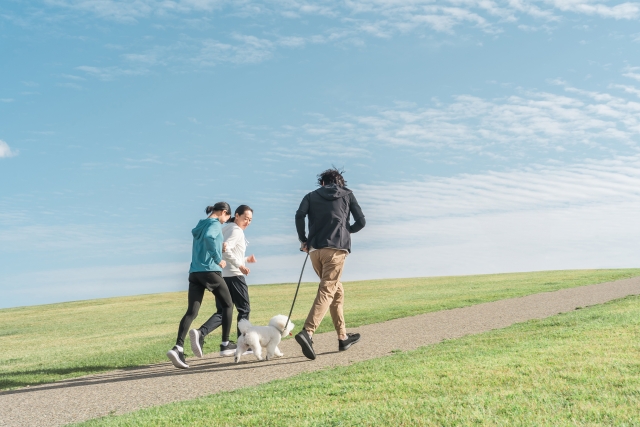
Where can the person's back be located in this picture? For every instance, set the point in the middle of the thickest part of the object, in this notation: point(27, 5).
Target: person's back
point(329, 242)
point(329, 208)
point(206, 250)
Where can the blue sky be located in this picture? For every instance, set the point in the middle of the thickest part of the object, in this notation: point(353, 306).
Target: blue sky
point(479, 136)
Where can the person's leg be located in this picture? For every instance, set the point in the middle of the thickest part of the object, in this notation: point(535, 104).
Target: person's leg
point(240, 297)
point(328, 263)
point(196, 293)
point(216, 284)
point(337, 312)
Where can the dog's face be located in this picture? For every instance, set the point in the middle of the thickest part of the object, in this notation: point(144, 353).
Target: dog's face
point(290, 327)
point(279, 323)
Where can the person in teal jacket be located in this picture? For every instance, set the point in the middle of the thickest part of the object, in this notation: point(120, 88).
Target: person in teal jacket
point(205, 274)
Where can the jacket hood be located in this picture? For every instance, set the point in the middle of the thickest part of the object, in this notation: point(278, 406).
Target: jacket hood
point(202, 226)
point(333, 192)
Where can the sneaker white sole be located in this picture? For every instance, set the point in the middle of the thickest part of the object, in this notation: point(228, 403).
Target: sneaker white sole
point(194, 336)
point(247, 352)
point(175, 359)
point(227, 353)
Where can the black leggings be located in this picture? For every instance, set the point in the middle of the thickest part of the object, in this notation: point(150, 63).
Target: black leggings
point(240, 296)
point(198, 283)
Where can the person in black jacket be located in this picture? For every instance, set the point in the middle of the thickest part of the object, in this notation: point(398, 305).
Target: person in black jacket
point(328, 244)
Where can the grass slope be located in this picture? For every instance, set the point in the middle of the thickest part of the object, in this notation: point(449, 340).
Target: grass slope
point(581, 368)
point(51, 342)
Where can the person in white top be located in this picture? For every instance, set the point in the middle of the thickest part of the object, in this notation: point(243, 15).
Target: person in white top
point(235, 271)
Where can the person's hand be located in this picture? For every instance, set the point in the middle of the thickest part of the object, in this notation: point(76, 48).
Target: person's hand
point(225, 247)
point(223, 264)
point(251, 259)
point(304, 247)
point(244, 270)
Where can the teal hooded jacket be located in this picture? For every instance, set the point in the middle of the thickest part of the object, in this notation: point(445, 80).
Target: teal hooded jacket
point(206, 253)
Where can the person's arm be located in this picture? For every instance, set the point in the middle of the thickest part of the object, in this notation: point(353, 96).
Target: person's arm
point(358, 216)
point(214, 245)
point(231, 242)
point(301, 213)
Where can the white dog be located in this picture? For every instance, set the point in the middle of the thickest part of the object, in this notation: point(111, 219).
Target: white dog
point(257, 337)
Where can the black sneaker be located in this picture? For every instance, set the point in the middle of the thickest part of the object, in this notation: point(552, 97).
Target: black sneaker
point(228, 350)
point(346, 343)
point(177, 358)
point(306, 343)
point(197, 342)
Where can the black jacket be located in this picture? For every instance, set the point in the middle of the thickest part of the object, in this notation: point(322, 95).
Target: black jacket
point(329, 208)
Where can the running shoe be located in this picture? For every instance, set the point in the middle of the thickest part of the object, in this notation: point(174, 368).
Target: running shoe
point(228, 350)
point(348, 342)
point(177, 358)
point(197, 342)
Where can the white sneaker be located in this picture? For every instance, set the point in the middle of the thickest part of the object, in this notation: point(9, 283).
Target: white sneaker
point(197, 342)
point(249, 351)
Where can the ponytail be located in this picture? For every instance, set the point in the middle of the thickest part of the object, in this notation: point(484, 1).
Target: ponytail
point(220, 206)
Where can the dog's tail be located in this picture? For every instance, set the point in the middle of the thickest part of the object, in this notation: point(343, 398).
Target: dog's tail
point(244, 325)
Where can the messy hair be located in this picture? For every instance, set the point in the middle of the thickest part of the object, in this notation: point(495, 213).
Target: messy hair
point(332, 176)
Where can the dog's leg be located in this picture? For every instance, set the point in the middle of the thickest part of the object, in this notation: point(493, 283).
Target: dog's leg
point(278, 353)
point(254, 343)
point(241, 348)
point(271, 349)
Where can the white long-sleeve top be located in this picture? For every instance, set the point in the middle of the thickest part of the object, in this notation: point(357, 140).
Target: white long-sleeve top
point(236, 247)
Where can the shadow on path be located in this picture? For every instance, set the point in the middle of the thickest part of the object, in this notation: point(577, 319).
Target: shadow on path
point(153, 371)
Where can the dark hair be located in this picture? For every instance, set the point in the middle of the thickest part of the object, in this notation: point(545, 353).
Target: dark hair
point(332, 176)
point(220, 206)
point(240, 210)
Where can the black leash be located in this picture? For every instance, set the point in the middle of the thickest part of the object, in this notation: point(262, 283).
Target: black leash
point(296, 295)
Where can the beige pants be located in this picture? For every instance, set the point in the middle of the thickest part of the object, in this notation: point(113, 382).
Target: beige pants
point(328, 264)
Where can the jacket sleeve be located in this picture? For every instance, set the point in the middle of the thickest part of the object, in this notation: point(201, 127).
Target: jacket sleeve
point(358, 216)
point(232, 241)
point(214, 246)
point(301, 213)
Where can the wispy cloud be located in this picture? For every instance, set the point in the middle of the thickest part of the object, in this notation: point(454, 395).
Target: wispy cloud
point(112, 72)
point(6, 151)
point(366, 14)
point(509, 127)
point(551, 216)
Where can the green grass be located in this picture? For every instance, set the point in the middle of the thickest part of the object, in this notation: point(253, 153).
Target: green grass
point(51, 342)
point(576, 369)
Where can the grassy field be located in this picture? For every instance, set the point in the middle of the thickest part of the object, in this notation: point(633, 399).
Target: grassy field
point(51, 342)
point(576, 369)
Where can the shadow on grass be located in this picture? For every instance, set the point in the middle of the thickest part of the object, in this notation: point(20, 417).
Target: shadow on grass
point(130, 374)
point(25, 378)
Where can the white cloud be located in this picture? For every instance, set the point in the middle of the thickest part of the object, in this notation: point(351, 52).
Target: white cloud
point(110, 73)
point(377, 17)
point(509, 127)
point(6, 100)
point(627, 10)
point(72, 284)
point(6, 151)
point(563, 216)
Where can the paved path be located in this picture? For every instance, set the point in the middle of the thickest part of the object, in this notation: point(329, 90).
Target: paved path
point(130, 389)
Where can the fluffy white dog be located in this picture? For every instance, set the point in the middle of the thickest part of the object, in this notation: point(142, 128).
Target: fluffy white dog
point(258, 337)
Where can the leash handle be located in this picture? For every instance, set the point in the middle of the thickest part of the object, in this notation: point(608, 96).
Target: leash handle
point(296, 295)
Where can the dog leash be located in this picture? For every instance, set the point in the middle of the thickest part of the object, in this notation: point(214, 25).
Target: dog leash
point(296, 295)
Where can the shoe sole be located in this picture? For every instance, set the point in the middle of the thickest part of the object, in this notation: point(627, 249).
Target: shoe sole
point(247, 352)
point(350, 344)
point(194, 336)
point(307, 350)
point(227, 353)
point(175, 359)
